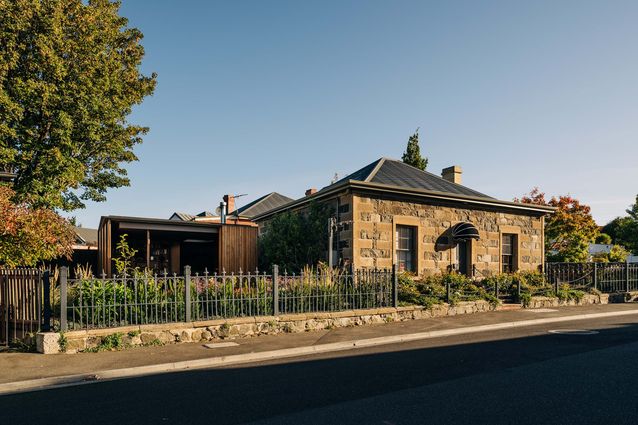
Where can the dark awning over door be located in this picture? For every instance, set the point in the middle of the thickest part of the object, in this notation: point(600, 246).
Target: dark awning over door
point(464, 232)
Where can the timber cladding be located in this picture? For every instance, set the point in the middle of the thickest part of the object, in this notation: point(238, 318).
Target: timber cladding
point(237, 248)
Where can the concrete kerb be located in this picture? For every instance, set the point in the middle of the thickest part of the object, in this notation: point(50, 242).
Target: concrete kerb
point(236, 359)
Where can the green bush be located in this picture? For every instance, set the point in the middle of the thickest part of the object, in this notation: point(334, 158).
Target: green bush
point(565, 293)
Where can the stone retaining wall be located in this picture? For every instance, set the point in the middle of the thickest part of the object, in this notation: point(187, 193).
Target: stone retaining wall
point(547, 302)
point(77, 341)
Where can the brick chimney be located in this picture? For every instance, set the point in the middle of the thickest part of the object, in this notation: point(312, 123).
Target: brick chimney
point(230, 203)
point(311, 191)
point(452, 174)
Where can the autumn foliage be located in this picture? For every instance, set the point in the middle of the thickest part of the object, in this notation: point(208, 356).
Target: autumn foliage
point(30, 235)
point(568, 231)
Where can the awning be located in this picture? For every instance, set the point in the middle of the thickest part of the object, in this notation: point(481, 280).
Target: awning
point(464, 231)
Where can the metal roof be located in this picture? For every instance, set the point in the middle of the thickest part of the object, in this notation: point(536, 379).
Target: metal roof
point(182, 216)
point(396, 173)
point(86, 236)
point(393, 176)
point(262, 205)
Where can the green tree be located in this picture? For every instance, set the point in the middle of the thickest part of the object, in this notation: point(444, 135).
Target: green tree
point(624, 230)
point(29, 235)
point(603, 238)
point(69, 77)
point(616, 254)
point(569, 230)
point(294, 239)
point(412, 155)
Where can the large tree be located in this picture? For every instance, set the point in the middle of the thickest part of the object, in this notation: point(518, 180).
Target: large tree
point(29, 235)
point(568, 231)
point(69, 76)
point(412, 155)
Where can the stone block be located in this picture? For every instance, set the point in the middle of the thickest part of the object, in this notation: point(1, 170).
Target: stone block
point(47, 342)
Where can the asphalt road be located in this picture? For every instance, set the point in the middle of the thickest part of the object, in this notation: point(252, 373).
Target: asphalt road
point(522, 376)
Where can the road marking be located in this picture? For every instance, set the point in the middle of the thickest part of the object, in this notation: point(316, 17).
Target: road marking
point(540, 310)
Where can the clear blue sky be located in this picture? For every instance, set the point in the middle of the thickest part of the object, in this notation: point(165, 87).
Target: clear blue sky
point(262, 96)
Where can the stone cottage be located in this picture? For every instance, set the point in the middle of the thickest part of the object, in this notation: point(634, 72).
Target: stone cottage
point(391, 213)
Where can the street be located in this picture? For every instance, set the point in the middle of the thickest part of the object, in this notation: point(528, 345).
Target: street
point(526, 375)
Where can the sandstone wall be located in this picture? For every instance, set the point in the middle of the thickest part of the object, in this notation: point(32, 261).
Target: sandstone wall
point(376, 219)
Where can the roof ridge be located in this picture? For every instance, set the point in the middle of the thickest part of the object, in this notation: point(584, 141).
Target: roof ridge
point(376, 168)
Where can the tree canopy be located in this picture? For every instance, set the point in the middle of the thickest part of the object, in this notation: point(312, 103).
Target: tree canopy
point(30, 235)
point(69, 77)
point(624, 230)
point(412, 155)
point(568, 231)
point(294, 239)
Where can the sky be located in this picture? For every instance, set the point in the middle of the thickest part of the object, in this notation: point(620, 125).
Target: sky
point(262, 96)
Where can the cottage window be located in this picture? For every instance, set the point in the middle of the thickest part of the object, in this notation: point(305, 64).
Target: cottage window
point(405, 248)
point(508, 253)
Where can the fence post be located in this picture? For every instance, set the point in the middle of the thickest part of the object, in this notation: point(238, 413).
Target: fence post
point(395, 286)
point(64, 274)
point(187, 294)
point(595, 275)
point(627, 275)
point(275, 290)
point(496, 288)
point(518, 289)
point(448, 292)
point(46, 301)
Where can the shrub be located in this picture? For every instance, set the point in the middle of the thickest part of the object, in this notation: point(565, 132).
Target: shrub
point(565, 293)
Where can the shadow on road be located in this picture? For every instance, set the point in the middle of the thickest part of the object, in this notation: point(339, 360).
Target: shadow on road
point(242, 394)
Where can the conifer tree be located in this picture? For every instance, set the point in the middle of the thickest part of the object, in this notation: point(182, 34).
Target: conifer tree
point(412, 155)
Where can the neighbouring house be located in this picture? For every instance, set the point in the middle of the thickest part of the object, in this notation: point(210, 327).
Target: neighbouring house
point(600, 248)
point(391, 213)
point(169, 245)
point(7, 175)
point(217, 243)
point(85, 250)
point(228, 214)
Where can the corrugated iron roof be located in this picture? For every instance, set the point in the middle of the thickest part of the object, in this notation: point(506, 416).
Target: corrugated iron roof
point(262, 205)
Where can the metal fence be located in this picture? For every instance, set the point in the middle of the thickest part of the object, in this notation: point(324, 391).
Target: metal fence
point(142, 298)
point(605, 277)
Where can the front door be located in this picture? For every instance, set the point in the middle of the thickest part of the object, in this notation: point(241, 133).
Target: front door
point(462, 257)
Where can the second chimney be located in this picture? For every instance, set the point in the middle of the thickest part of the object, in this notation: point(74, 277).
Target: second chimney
point(230, 203)
point(452, 174)
point(311, 191)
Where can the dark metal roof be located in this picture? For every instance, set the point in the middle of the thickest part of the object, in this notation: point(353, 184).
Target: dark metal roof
point(86, 236)
point(392, 176)
point(359, 175)
point(395, 173)
point(182, 216)
point(262, 205)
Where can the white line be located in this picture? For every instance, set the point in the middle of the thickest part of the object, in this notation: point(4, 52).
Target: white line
point(235, 359)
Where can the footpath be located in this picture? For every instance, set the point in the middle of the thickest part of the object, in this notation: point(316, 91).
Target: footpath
point(21, 372)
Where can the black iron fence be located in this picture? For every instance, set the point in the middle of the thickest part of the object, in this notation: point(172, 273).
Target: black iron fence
point(143, 298)
point(604, 277)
